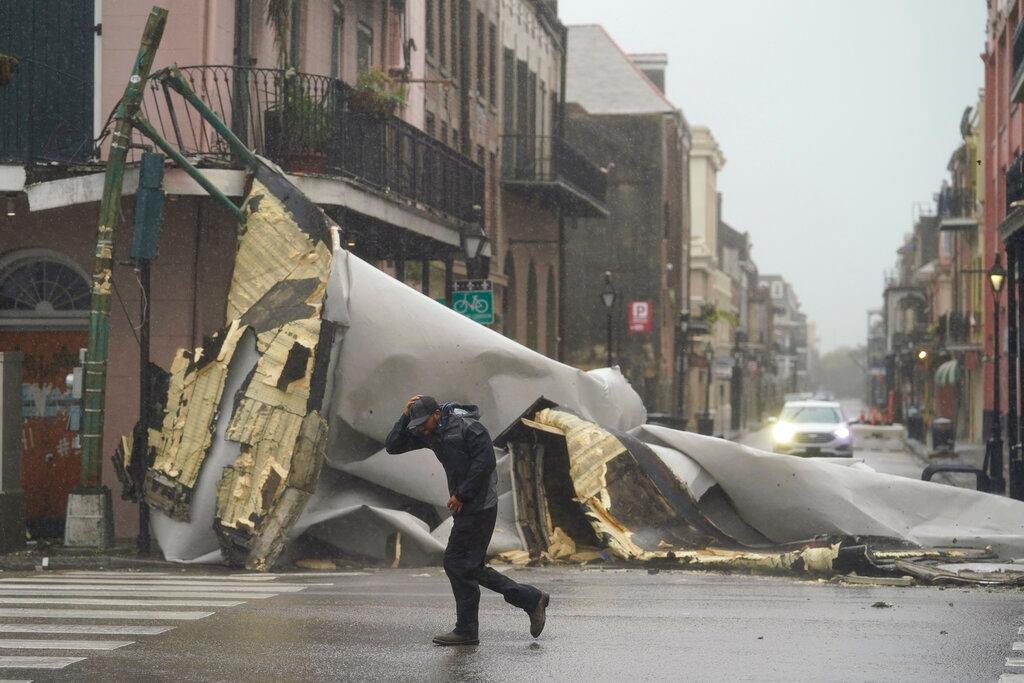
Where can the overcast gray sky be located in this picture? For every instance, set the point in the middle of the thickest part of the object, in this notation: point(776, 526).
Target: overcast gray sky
point(834, 116)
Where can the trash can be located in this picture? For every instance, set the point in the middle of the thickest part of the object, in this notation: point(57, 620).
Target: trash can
point(943, 435)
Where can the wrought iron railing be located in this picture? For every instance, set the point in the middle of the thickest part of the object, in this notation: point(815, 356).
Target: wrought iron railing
point(1015, 183)
point(956, 202)
point(548, 158)
point(314, 123)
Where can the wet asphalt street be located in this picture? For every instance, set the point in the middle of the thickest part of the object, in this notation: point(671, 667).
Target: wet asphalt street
point(603, 625)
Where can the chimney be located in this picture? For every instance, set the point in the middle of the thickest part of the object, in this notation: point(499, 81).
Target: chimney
point(653, 65)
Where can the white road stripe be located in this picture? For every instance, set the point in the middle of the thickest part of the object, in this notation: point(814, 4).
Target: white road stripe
point(104, 593)
point(118, 602)
point(87, 629)
point(43, 644)
point(136, 588)
point(1015, 661)
point(169, 575)
point(159, 582)
point(101, 613)
point(37, 662)
point(1018, 646)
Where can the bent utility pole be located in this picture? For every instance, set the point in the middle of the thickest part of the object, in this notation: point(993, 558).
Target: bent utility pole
point(89, 518)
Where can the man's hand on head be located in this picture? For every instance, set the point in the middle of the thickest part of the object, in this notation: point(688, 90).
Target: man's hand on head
point(408, 405)
point(454, 504)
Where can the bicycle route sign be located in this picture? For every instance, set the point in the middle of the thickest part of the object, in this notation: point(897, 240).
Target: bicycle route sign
point(475, 300)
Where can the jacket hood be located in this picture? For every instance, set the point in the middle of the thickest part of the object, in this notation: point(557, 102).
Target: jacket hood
point(459, 410)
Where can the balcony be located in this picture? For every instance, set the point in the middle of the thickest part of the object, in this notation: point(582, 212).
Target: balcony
point(1014, 220)
point(1017, 85)
point(957, 210)
point(306, 123)
point(546, 167)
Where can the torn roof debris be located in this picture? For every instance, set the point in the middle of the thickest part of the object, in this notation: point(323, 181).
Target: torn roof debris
point(272, 437)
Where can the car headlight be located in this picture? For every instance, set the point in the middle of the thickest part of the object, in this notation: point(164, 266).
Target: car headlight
point(842, 432)
point(783, 432)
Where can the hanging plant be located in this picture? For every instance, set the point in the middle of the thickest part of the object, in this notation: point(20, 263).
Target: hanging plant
point(8, 65)
point(377, 94)
point(279, 14)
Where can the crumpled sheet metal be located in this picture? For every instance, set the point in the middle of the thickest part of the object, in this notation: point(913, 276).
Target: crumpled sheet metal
point(398, 342)
point(637, 506)
point(788, 499)
point(333, 335)
point(278, 286)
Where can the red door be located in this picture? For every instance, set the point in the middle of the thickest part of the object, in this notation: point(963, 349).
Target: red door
point(51, 458)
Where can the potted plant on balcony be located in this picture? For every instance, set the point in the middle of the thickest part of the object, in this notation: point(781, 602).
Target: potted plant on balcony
point(377, 94)
point(298, 128)
point(8, 65)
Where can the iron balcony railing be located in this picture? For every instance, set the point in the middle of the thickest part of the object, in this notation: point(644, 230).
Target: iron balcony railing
point(956, 202)
point(1015, 184)
point(548, 158)
point(314, 124)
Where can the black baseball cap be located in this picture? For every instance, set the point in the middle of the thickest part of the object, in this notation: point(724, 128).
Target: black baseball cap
point(423, 408)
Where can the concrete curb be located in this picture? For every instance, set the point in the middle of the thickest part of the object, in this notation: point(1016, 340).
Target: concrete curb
point(61, 558)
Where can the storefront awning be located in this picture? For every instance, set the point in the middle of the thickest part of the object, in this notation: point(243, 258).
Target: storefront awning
point(948, 373)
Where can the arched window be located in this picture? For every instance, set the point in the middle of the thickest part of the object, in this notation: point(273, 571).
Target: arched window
point(531, 307)
point(508, 302)
point(551, 324)
point(38, 286)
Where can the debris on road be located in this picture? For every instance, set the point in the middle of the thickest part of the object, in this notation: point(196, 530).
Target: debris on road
point(881, 605)
point(271, 443)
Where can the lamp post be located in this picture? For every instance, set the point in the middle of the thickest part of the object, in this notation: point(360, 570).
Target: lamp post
point(684, 330)
point(994, 446)
point(705, 425)
point(608, 297)
point(473, 240)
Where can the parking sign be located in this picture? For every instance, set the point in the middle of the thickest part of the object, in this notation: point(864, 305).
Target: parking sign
point(640, 316)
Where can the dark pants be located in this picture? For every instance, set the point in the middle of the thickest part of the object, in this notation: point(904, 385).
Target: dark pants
point(464, 564)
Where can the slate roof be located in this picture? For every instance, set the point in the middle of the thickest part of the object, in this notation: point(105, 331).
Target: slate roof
point(602, 79)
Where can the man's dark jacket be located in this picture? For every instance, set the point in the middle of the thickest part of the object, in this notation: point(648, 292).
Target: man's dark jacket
point(464, 449)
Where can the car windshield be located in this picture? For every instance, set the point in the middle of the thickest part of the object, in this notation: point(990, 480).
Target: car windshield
point(809, 414)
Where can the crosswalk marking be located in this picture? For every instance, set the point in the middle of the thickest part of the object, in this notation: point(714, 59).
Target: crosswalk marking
point(49, 604)
point(181, 575)
point(43, 644)
point(1015, 661)
point(117, 602)
point(277, 587)
point(14, 662)
point(1018, 646)
point(87, 629)
point(104, 593)
point(146, 587)
point(101, 614)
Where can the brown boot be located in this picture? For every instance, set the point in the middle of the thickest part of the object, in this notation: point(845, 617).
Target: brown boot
point(456, 638)
point(539, 615)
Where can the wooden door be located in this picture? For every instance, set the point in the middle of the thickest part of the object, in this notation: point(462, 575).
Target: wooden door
point(51, 456)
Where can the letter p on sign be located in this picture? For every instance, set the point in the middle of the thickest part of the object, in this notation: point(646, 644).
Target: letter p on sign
point(640, 316)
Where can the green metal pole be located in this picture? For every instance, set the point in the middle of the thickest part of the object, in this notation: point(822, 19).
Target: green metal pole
point(95, 382)
point(172, 77)
point(146, 129)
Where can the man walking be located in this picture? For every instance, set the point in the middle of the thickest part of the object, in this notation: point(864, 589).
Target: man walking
point(464, 448)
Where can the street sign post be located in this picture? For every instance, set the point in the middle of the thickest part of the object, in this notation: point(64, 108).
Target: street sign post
point(475, 300)
point(639, 316)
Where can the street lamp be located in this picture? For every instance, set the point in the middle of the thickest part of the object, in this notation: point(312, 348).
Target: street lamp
point(473, 240)
point(705, 424)
point(684, 330)
point(994, 447)
point(608, 297)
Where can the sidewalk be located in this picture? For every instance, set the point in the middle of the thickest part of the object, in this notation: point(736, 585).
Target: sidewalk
point(43, 556)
